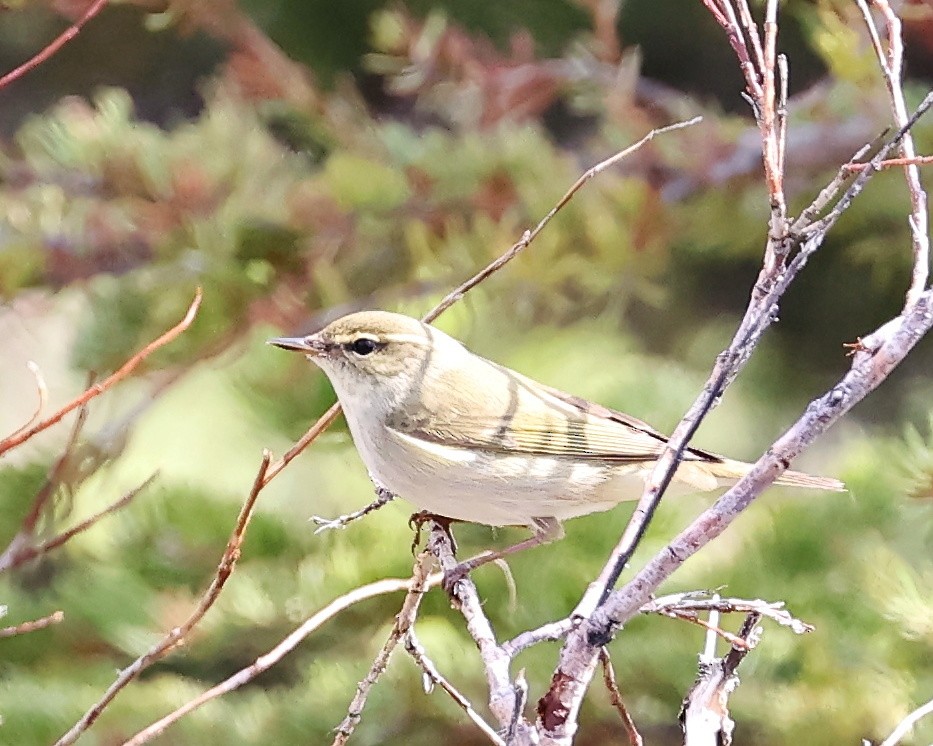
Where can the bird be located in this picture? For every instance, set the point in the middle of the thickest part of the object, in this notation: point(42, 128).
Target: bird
point(466, 439)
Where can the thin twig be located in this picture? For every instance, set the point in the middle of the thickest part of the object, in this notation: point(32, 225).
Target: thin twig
point(919, 160)
point(19, 553)
point(43, 396)
point(54, 478)
point(276, 654)
point(403, 621)
point(680, 603)
point(33, 625)
point(128, 367)
point(904, 727)
point(891, 62)
point(457, 293)
point(63, 38)
point(177, 635)
point(383, 497)
point(418, 654)
point(615, 696)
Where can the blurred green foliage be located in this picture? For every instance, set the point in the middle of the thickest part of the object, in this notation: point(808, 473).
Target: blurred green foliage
point(439, 134)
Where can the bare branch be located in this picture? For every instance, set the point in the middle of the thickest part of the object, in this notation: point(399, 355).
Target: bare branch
point(403, 622)
point(276, 654)
point(891, 64)
point(33, 625)
point(434, 678)
point(177, 635)
point(502, 700)
point(705, 711)
point(683, 603)
point(97, 389)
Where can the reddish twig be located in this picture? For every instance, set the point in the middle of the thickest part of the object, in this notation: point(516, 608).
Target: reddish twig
point(33, 625)
point(19, 552)
point(97, 389)
point(38, 508)
point(61, 40)
point(177, 635)
point(615, 696)
point(919, 160)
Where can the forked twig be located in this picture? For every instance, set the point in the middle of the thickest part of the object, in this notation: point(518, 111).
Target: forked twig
point(97, 389)
point(276, 654)
point(19, 552)
point(403, 622)
point(435, 678)
point(177, 635)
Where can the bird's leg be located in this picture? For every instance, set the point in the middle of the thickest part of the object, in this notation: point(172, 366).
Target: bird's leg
point(383, 496)
point(545, 530)
point(417, 520)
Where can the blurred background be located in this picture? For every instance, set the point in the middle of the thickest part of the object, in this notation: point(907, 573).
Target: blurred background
point(300, 159)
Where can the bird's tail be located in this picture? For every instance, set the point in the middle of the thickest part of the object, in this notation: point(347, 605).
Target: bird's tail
point(729, 471)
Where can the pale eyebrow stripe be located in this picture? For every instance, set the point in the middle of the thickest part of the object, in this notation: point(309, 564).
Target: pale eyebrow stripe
point(399, 337)
point(410, 338)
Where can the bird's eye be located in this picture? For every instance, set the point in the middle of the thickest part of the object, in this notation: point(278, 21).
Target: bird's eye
point(364, 346)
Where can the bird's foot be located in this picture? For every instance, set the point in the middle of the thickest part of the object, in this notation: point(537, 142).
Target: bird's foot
point(417, 520)
point(383, 496)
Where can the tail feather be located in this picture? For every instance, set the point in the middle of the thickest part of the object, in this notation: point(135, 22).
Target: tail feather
point(799, 479)
point(731, 471)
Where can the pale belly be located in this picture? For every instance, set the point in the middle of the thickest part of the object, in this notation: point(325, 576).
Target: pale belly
point(494, 489)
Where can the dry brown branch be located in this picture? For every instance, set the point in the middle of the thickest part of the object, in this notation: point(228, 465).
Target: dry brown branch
point(615, 696)
point(20, 552)
point(25, 537)
point(434, 678)
point(97, 389)
point(276, 654)
point(919, 160)
point(403, 621)
point(177, 635)
point(33, 625)
point(63, 38)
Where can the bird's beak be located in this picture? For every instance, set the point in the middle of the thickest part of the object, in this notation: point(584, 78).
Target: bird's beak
point(310, 345)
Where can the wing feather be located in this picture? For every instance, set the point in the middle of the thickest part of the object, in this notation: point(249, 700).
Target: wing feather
point(539, 420)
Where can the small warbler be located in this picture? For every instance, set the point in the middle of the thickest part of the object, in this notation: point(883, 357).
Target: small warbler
point(466, 439)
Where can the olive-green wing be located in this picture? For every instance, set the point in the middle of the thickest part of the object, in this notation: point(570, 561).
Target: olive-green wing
point(542, 421)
